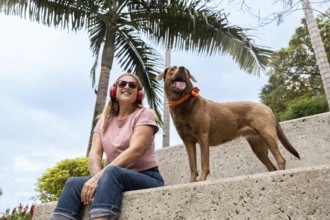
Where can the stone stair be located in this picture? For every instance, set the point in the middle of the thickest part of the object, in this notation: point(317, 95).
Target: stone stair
point(239, 186)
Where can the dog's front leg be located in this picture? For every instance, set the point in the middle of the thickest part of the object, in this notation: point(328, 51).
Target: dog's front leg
point(191, 151)
point(205, 155)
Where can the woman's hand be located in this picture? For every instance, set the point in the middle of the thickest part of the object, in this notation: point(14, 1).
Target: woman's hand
point(89, 189)
point(95, 170)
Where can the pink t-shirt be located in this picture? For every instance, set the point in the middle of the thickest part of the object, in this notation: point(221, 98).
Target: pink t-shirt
point(117, 135)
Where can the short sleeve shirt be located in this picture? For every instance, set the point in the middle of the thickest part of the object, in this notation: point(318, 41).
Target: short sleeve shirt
point(116, 138)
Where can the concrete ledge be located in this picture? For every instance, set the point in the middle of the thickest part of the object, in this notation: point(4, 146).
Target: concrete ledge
point(301, 193)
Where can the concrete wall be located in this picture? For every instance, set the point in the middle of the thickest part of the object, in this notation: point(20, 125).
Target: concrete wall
point(239, 186)
point(302, 193)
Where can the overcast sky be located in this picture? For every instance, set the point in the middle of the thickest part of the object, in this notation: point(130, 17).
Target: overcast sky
point(47, 100)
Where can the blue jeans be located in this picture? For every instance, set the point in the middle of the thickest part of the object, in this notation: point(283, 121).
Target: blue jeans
point(107, 199)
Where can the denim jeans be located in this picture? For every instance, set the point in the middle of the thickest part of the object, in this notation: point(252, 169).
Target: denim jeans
point(107, 199)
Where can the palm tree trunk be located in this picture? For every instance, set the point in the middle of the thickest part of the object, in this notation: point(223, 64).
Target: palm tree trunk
point(103, 85)
point(318, 47)
point(166, 134)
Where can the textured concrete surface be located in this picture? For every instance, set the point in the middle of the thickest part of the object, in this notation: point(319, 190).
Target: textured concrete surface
point(301, 193)
point(310, 136)
point(239, 186)
point(44, 211)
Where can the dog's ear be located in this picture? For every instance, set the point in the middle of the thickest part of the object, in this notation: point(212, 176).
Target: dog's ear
point(160, 76)
point(191, 76)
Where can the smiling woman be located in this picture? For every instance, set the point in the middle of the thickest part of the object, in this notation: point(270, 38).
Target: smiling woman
point(125, 133)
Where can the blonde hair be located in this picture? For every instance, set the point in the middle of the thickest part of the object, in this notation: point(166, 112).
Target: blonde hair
point(112, 108)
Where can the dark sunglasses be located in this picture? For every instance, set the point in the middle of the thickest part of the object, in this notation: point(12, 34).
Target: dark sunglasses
point(123, 84)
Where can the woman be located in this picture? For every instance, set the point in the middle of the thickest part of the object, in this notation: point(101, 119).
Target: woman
point(125, 133)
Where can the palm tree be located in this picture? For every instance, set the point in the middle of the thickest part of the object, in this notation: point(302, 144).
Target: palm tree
point(166, 111)
point(115, 28)
point(320, 54)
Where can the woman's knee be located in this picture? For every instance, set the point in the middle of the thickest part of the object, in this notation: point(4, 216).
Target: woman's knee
point(111, 176)
point(74, 183)
point(113, 170)
point(71, 182)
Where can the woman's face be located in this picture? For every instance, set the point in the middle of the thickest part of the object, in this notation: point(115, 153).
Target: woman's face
point(126, 89)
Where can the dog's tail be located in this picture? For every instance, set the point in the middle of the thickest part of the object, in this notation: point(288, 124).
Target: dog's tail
point(284, 140)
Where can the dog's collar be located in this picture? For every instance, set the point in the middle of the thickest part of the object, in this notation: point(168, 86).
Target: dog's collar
point(194, 92)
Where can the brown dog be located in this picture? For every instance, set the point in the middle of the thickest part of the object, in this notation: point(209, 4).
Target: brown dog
point(208, 123)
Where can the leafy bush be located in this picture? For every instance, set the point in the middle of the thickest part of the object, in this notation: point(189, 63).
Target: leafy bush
point(19, 213)
point(52, 181)
point(305, 106)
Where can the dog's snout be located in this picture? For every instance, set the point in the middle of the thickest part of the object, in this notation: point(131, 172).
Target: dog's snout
point(181, 68)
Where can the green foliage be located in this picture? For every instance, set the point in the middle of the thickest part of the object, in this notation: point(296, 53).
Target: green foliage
point(52, 181)
point(305, 106)
point(19, 213)
point(294, 77)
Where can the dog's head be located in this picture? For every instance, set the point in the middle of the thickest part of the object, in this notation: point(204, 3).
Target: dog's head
point(176, 80)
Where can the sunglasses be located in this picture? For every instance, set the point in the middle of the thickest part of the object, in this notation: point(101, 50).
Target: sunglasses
point(122, 84)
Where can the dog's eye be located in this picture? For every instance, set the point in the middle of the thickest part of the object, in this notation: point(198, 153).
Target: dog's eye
point(172, 69)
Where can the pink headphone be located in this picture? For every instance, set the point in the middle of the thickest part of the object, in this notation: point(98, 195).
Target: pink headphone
point(113, 90)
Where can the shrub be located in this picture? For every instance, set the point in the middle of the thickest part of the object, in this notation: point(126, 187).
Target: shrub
point(50, 184)
point(305, 106)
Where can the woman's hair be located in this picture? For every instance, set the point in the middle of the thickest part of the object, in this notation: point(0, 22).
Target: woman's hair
point(112, 108)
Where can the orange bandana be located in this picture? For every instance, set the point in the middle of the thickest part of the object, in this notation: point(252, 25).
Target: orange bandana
point(194, 92)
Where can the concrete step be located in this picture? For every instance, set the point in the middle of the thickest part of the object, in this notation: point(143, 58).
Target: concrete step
point(239, 186)
point(300, 193)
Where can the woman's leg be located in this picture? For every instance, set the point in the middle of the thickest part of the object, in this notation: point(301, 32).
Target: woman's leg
point(114, 181)
point(69, 205)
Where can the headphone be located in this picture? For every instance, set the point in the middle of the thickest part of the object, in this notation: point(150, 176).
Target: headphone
point(113, 91)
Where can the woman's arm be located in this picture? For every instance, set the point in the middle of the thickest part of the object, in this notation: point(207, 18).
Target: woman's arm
point(141, 137)
point(95, 170)
point(95, 155)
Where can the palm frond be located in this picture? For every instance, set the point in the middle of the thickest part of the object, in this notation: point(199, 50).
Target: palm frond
point(65, 14)
point(134, 55)
point(194, 27)
point(96, 30)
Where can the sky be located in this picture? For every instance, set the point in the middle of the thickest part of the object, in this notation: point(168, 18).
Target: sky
point(47, 99)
